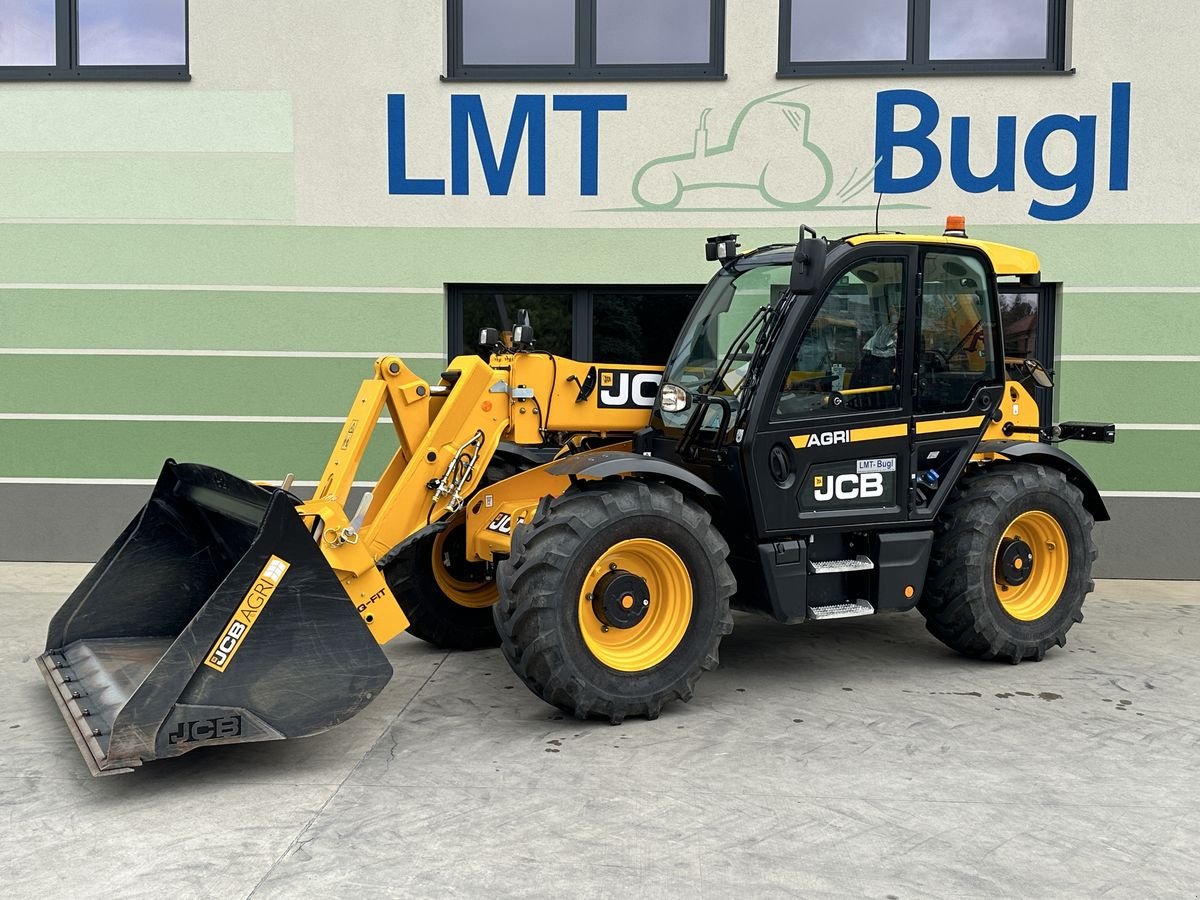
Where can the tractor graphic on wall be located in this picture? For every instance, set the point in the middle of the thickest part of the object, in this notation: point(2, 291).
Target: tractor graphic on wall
point(768, 151)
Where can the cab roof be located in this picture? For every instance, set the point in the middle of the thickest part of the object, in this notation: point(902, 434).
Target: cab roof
point(1005, 260)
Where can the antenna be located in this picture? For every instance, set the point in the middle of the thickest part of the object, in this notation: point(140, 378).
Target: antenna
point(878, 203)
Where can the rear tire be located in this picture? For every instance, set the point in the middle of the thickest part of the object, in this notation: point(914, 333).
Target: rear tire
point(616, 540)
point(970, 604)
point(425, 581)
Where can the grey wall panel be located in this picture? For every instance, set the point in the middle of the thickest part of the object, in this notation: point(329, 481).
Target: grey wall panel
point(64, 522)
point(1148, 537)
point(72, 522)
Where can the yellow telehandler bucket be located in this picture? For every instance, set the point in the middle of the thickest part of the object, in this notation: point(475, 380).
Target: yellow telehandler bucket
point(213, 619)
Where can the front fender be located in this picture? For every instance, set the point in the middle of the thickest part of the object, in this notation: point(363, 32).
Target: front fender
point(616, 463)
point(1049, 455)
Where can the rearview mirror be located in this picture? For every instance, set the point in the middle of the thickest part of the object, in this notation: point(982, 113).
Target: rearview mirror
point(808, 265)
point(1038, 373)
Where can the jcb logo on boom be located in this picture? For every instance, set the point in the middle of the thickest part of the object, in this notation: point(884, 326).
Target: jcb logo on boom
point(848, 487)
point(628, 390)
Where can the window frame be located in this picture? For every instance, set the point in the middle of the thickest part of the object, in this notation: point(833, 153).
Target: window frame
point(990, 304)
point(1055, 62)
point(905, 340)
point(67, 67)
point(582, 310)
point(1047, 343)
point(586, 68)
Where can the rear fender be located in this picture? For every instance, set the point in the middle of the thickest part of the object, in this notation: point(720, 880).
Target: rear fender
point(1049, 455)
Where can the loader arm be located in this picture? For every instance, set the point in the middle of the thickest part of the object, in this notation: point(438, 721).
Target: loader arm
point(448, 434)
point(445, 446)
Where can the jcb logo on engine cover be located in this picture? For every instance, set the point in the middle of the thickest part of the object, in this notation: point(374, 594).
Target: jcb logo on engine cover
point(867, 486)
point(247, 613)
point(627, 390)
point(206, 730)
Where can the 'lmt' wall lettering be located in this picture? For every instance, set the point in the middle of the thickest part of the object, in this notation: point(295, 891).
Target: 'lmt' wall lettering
point(471, 134)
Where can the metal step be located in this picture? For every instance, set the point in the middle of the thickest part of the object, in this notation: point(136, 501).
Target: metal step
point(860, 563)
point(841, 610)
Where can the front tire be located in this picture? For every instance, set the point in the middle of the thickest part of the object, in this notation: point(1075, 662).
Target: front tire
point(1011, 564)
point(614, 599)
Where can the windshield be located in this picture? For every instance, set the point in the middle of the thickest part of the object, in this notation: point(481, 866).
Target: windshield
point(721, 316)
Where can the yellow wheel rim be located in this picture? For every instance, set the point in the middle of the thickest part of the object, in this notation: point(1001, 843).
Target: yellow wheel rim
point(1046, 574)
point(667, 614)
point(472, 594)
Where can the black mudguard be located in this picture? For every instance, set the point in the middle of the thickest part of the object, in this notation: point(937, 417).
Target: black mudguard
point(1050, 455)
point(602, 464)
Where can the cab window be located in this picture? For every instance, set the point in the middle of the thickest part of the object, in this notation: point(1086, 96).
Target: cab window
point(955, 349)
point(846, 360)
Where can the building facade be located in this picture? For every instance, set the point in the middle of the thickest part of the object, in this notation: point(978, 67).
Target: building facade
point(210, 226)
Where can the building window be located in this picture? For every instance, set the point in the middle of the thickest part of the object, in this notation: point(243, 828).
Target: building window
point(93, 40)
point(625, 324)
point(879, 37)
point(585, 39)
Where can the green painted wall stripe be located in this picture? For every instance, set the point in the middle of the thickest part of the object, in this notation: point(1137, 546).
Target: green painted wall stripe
point(158, 385)
point(149, 120)
point(1130, 324)
point(137, 449)
point(145, 187)
point(1129, 392)
point(200, 320)
point(150, 385)
point(1139, 461)
point(1151, 255)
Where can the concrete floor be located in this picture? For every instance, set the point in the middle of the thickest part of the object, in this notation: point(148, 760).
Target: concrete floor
point(841, 759)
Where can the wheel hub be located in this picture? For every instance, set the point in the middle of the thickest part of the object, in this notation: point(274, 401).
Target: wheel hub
point(1031, 565)
point(621, 599)
point(620, 625)
point(1014, 563)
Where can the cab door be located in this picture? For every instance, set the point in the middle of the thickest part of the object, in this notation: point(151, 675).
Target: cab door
point(959, 377)
point(828, 444)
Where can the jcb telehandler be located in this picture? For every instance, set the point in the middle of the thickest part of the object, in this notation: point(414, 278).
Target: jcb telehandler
point(837, 433)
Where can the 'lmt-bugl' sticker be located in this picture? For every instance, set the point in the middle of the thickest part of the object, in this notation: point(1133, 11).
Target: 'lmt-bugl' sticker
point(247, 614)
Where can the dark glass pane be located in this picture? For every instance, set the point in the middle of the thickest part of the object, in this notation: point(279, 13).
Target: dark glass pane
point(664, 31)
point(132, 33)
point(550, 315)
point(849, 31)
point(635, 328)
point(997, 29)
point(850, 347)
point(955, 341)
point(27, 34)
point(518, 32)
point(1019, 319)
